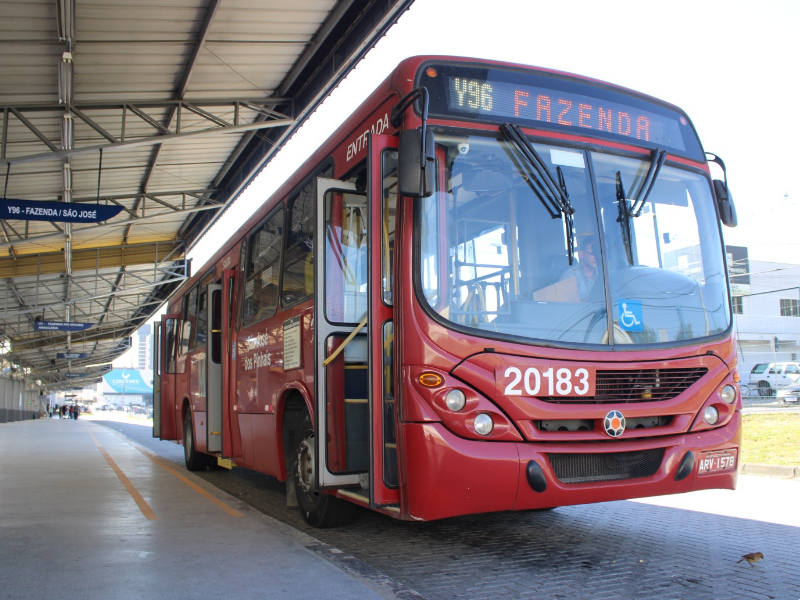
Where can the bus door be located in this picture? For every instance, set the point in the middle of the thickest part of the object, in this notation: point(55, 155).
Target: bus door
point(214, 368)
point(156, 379)
point(351, 323)
point(228, 360)
point(341, 346)
point(170, 333)
point(383, 204)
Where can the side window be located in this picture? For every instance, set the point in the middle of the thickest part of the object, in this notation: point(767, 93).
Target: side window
point(298, 263)
point(186, 337)
point(346, 257)
point(170, 340)
point(263, 266)
point(202, 316)
point(775, 370)
point(298, 266)
point(791, 370)
point(388, 211)
point(190, 317)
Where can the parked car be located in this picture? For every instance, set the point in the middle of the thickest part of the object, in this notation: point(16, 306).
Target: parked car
point(767, 377)
point(790, 393)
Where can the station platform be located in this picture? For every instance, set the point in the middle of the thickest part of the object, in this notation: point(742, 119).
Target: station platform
point(87, 514)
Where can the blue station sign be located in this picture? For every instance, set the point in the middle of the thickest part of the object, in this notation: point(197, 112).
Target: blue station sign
point(66, 212)
point(60, 326)
point(71, 355)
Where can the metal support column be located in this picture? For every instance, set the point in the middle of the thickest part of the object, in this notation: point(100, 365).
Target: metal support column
point(4, 401)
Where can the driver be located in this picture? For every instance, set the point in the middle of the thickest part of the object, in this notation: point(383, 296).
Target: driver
point(585, 270)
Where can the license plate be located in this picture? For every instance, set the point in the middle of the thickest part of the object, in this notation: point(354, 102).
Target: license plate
point(713, 462)
point(791, 398)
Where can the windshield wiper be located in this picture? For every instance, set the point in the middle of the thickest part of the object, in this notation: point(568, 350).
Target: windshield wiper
point(554, 192)
point(632, 208)
point(637, 202)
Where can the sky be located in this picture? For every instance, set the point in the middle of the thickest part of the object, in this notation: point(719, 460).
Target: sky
point(731, 65)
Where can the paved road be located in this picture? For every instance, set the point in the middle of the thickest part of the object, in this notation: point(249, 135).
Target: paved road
point(678, 547)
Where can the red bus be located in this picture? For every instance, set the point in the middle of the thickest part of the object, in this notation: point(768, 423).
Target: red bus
point(495, 287)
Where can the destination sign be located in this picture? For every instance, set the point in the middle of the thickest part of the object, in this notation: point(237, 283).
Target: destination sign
point(71, 355)
point(66, 212)
point(60, 326)
point(559, 103)
point(75, 375)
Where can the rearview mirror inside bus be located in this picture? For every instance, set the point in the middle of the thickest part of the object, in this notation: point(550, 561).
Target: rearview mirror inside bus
point(415, 175)
point(727, 210)
point(488, 180)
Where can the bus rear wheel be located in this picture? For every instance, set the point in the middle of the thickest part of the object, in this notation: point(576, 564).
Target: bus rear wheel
point(318, 509)
point(195, 461)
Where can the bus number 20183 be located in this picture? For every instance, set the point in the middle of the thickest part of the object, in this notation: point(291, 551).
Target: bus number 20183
point(546, 381)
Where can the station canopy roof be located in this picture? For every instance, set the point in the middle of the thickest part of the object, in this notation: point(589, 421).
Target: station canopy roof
point(166, 109)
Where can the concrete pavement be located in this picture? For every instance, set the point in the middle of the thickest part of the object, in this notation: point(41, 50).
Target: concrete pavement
point(87, 515)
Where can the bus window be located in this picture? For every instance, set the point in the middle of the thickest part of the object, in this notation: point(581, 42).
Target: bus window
point(346, 257)
point(261, 284)
point(298, 266)
point(186, 337)
point(388, 212)
point(202, 317)
point(170, 341)
point(190, 317)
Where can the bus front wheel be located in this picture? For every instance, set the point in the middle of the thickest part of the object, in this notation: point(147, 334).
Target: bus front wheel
point(318, 509)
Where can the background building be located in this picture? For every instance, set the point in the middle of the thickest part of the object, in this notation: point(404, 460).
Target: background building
point(766, 309)
point(144, 350)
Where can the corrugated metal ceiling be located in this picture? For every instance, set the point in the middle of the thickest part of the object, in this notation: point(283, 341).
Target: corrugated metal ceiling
point(151, 106)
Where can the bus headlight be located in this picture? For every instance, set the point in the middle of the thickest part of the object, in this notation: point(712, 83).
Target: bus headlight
point(711, 415)
point(455, 400)
point(728, 394)
point(483, 424)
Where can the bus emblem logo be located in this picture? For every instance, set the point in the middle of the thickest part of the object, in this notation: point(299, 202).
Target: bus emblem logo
point(614, 423)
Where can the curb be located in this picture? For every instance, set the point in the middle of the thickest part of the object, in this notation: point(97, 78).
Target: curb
point(784, 472)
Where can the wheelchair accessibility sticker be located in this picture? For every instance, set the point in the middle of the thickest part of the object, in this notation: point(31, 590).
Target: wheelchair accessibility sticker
point(630, 315)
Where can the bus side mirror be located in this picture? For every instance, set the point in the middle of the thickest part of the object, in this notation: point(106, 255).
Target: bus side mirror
point(727, 210)
point(417, 163)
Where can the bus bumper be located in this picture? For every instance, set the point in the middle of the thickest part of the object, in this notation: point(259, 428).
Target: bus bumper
point(446, 476)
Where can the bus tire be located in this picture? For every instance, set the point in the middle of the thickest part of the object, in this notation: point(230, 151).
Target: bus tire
point(195, 461)
point(318, 510)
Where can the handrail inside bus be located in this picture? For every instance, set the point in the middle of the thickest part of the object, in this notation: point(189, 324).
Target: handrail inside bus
point(347, 340)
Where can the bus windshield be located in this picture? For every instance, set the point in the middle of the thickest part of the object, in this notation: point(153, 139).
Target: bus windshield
point(493, 247)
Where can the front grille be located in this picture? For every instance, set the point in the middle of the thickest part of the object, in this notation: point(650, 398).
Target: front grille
point(641, 385)
point(614, 466)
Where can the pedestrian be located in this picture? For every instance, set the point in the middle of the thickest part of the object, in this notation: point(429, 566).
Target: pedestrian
point(71, 411)
point(77, 411)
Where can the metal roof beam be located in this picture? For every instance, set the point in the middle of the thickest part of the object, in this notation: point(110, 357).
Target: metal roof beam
point(28, 310)
point(154, 140)
point(90, 336)
point(133, 196)
point(240, 169)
